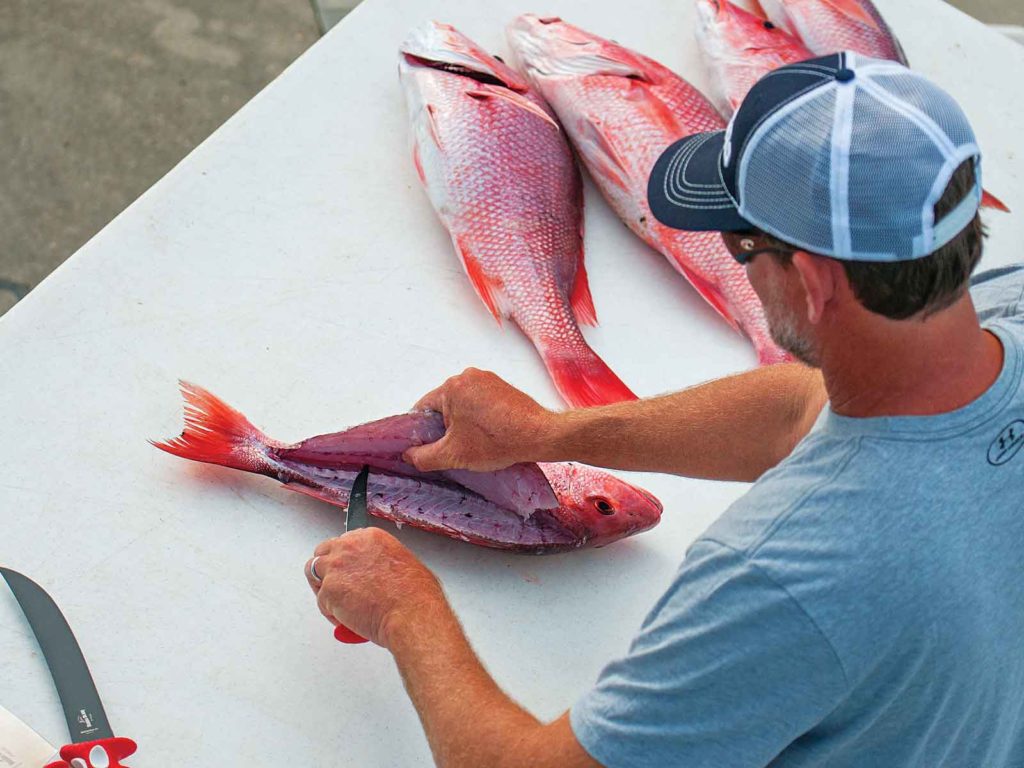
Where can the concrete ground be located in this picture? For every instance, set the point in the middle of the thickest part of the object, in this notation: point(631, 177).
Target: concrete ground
point(100, 98)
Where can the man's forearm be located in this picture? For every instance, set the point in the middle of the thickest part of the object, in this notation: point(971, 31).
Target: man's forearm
point(734, 428)
point(469, 721)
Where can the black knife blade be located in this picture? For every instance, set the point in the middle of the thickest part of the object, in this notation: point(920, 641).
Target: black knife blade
point(356, 515)
point(83, 709)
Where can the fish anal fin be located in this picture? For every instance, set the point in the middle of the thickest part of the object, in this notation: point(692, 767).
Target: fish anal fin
point(581, 301)
point(316, 493)
point(486, 91)
point(490, 290)
point(854, 10)
point(712, 295)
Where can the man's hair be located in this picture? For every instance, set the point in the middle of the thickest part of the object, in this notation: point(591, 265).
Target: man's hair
point(902, 289)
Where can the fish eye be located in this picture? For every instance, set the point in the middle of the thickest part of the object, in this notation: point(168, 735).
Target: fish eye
point(769, 25)
point(604, 506)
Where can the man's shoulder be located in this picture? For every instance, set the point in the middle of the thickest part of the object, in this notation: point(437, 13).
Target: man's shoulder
point(799, 490)
point(999, 293)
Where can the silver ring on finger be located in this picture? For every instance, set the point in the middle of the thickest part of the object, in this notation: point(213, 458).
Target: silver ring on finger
point(312, 570)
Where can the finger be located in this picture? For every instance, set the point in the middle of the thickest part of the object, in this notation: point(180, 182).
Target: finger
point(430, 457)
point(432, 401)
point(321, 603)
point(313, 577)
point(324, 547)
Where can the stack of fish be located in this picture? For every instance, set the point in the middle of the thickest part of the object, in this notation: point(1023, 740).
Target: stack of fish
point(740, 47)
point(499, 171)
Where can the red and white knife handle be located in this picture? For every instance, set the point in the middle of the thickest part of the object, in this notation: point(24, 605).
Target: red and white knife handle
point(102, 753)
point(345, 635)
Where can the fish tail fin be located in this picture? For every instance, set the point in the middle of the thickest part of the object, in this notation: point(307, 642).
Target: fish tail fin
point(988, 200)
point(216, 433)
point(770, 354)
point(582, 378)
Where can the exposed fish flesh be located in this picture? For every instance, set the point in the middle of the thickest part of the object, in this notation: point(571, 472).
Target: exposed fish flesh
point(531, 508)
point(621, 110)
point(500, 173)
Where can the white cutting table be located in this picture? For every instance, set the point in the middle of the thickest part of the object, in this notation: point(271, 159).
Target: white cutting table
point(293, 265)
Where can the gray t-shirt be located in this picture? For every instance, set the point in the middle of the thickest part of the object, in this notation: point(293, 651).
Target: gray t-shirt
point(862, 605)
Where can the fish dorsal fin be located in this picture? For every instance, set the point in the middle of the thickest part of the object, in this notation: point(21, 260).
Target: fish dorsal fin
point(854, 10)
point(486, 91)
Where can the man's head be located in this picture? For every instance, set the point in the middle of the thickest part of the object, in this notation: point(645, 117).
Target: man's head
point(844, 183)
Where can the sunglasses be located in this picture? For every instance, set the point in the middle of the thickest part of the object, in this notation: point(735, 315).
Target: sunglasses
point(748, 249)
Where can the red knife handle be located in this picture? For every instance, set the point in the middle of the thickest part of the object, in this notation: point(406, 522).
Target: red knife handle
point(94, 754)
point(345, 635)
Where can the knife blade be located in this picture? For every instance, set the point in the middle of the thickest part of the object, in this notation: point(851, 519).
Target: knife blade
point(356, 516)
point(93, 744)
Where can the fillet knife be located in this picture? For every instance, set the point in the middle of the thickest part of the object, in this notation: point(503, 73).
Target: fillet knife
point(356, 517)
point(93, 744)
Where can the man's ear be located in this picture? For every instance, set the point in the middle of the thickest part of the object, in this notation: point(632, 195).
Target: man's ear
point(819, 280)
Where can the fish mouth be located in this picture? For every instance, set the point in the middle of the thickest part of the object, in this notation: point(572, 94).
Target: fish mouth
point(653, 500)
point(457, 69)
point(442, 47)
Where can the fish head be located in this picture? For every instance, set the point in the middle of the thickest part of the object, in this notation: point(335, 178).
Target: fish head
point(441, 48)
point(551, 49)
point(601, 507)
point(729, 29)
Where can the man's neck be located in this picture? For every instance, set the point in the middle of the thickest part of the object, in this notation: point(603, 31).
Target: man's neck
point(881, 367)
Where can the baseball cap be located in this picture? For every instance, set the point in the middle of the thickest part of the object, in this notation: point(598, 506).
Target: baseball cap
point(842, 155)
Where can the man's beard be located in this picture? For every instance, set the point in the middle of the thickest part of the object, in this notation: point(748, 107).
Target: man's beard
point(783, 328)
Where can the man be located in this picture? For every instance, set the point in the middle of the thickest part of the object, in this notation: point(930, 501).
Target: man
point(863, 603)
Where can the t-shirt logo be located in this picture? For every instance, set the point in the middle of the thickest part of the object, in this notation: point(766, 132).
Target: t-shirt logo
point(1007, 444)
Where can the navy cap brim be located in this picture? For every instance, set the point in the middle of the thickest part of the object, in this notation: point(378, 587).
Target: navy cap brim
point(686, 191)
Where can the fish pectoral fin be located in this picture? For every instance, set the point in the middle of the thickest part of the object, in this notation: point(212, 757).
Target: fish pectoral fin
point(603, 154)
point(490, 290)
point(854, 10)
point(435, 133)
point(486, 91)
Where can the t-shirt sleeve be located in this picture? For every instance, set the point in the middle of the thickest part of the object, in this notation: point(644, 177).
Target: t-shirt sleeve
point(727, 671)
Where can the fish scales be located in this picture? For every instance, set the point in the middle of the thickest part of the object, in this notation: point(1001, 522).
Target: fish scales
point(739, 48)
point(621, 110)
point(502, 178)
point(830, 26)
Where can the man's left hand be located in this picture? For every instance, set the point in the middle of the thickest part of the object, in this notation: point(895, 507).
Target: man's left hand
point(372, 584)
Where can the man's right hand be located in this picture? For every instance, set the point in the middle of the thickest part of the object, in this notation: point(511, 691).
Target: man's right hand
point(490, 425)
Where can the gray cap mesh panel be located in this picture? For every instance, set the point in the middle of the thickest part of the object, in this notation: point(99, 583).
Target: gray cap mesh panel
point(785, 183)
point(893, 164)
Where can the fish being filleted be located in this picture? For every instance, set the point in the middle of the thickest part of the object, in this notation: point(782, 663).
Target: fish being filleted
point(739, 49)
point(621, 110)
point(501, 176)
point(533, 508)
